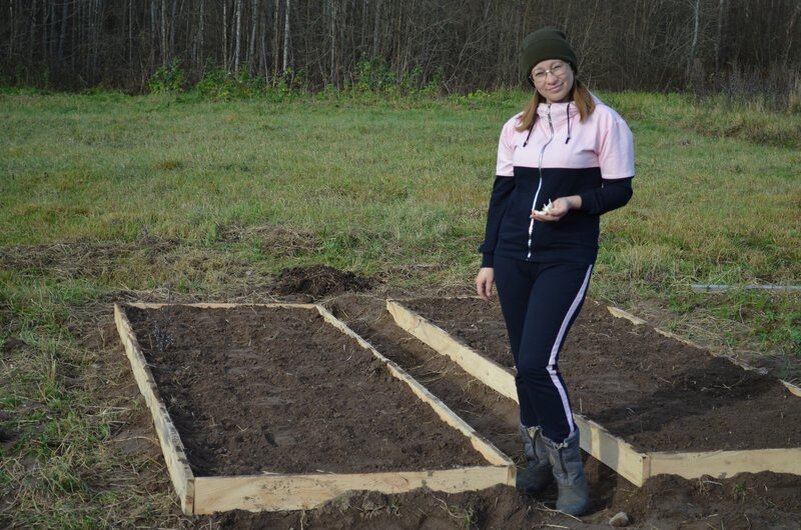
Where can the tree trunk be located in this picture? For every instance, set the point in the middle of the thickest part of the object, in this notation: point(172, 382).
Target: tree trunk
point(276, 36)
point(286, 35)
point(174, 18)
point(163, 32)
point(265, 65)
point(238, 35)
point(694, 43)
point(225, 35)
point(788, 40)
point(719, 34)
point(63, 31)
point(31, 34)
point(254, 15)
point(45, 22)
point(130, 33)
point(332, 70)
point(200, 34)
point(376, 20)
point(152, 33)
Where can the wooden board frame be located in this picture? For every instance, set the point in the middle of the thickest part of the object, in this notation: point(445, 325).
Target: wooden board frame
point(634, 466)
point(277, 492)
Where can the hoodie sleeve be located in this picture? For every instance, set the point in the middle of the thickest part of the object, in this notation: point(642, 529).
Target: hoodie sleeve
point(501, 191)
point(615, 148)
point(612, 194)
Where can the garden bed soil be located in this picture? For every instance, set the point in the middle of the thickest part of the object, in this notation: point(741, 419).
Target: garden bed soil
point(653, 391)
point(259, 389)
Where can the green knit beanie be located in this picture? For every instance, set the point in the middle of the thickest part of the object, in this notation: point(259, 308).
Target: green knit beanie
point(543, 44)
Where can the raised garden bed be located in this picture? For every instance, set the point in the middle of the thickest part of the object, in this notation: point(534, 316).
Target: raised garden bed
point(281, 406)
point(646, 402)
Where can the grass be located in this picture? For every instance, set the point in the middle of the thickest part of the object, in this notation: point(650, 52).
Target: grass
point(107, 197)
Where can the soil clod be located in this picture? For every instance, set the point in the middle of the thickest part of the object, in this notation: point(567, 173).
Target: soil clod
point(319, 281)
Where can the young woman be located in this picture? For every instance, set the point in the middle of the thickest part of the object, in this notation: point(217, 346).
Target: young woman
point(562, 162)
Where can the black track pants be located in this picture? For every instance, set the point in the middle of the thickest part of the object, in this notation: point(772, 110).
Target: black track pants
point(540, 301)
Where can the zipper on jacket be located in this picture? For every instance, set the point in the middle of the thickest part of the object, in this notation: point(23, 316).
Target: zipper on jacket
point(539, 184)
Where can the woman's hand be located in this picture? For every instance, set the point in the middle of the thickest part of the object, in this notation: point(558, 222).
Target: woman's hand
point(484, 281)
point(558, 209)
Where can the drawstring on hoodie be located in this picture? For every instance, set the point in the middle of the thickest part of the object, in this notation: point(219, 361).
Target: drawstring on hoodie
point(531, 127)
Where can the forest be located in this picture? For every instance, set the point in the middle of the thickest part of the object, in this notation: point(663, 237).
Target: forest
point(737, 47)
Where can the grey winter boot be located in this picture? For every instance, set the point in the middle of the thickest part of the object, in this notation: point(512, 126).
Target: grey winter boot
point(568, 469)
point(537, 474)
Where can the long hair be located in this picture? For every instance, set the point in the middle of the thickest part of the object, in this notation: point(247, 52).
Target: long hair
point(579, 94)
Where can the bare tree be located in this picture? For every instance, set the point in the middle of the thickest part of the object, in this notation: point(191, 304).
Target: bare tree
point(225, 34)
point(333, 18)
point(694, 41)
point(238, 34)
point(719, 32)
point(286, 36)
point(254, 23)
point(640, 44)
point(792, 30)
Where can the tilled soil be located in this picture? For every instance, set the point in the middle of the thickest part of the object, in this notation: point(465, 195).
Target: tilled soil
point(655, 392)
point(268, 389)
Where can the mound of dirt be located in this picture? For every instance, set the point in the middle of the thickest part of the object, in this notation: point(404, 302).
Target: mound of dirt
point(319, 281)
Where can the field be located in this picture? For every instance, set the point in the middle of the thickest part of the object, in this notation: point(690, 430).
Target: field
point(107, 198)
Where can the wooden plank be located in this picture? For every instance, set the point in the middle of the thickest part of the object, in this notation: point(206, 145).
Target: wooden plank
point(297, 492)
point(485, 370)
point(721, 464)
point(202, 305)
point(620, 313)
point(616, 453)
point(487, 449)
point(700, 288)
point(794, 389)
point(171, 446)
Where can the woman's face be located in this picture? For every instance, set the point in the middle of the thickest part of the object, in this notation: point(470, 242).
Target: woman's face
point(553, 78)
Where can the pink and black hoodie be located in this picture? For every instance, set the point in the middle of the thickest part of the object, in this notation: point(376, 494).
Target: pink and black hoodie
point(557, 157)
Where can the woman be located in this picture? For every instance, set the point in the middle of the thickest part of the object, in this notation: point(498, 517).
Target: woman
point(562, 162)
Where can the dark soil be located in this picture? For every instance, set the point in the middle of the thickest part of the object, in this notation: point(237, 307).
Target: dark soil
point(655, 392)
point(257, 389)
point(613, 383)
point(319, 281)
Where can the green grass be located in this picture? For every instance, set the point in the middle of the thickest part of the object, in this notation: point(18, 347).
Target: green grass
point(106, 197)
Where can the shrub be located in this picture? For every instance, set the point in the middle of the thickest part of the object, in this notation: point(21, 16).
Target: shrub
point(219, 84)
point(374, 75)
point(167, 78)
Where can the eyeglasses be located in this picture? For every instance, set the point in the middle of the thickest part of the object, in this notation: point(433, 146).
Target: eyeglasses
point(556, 70)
